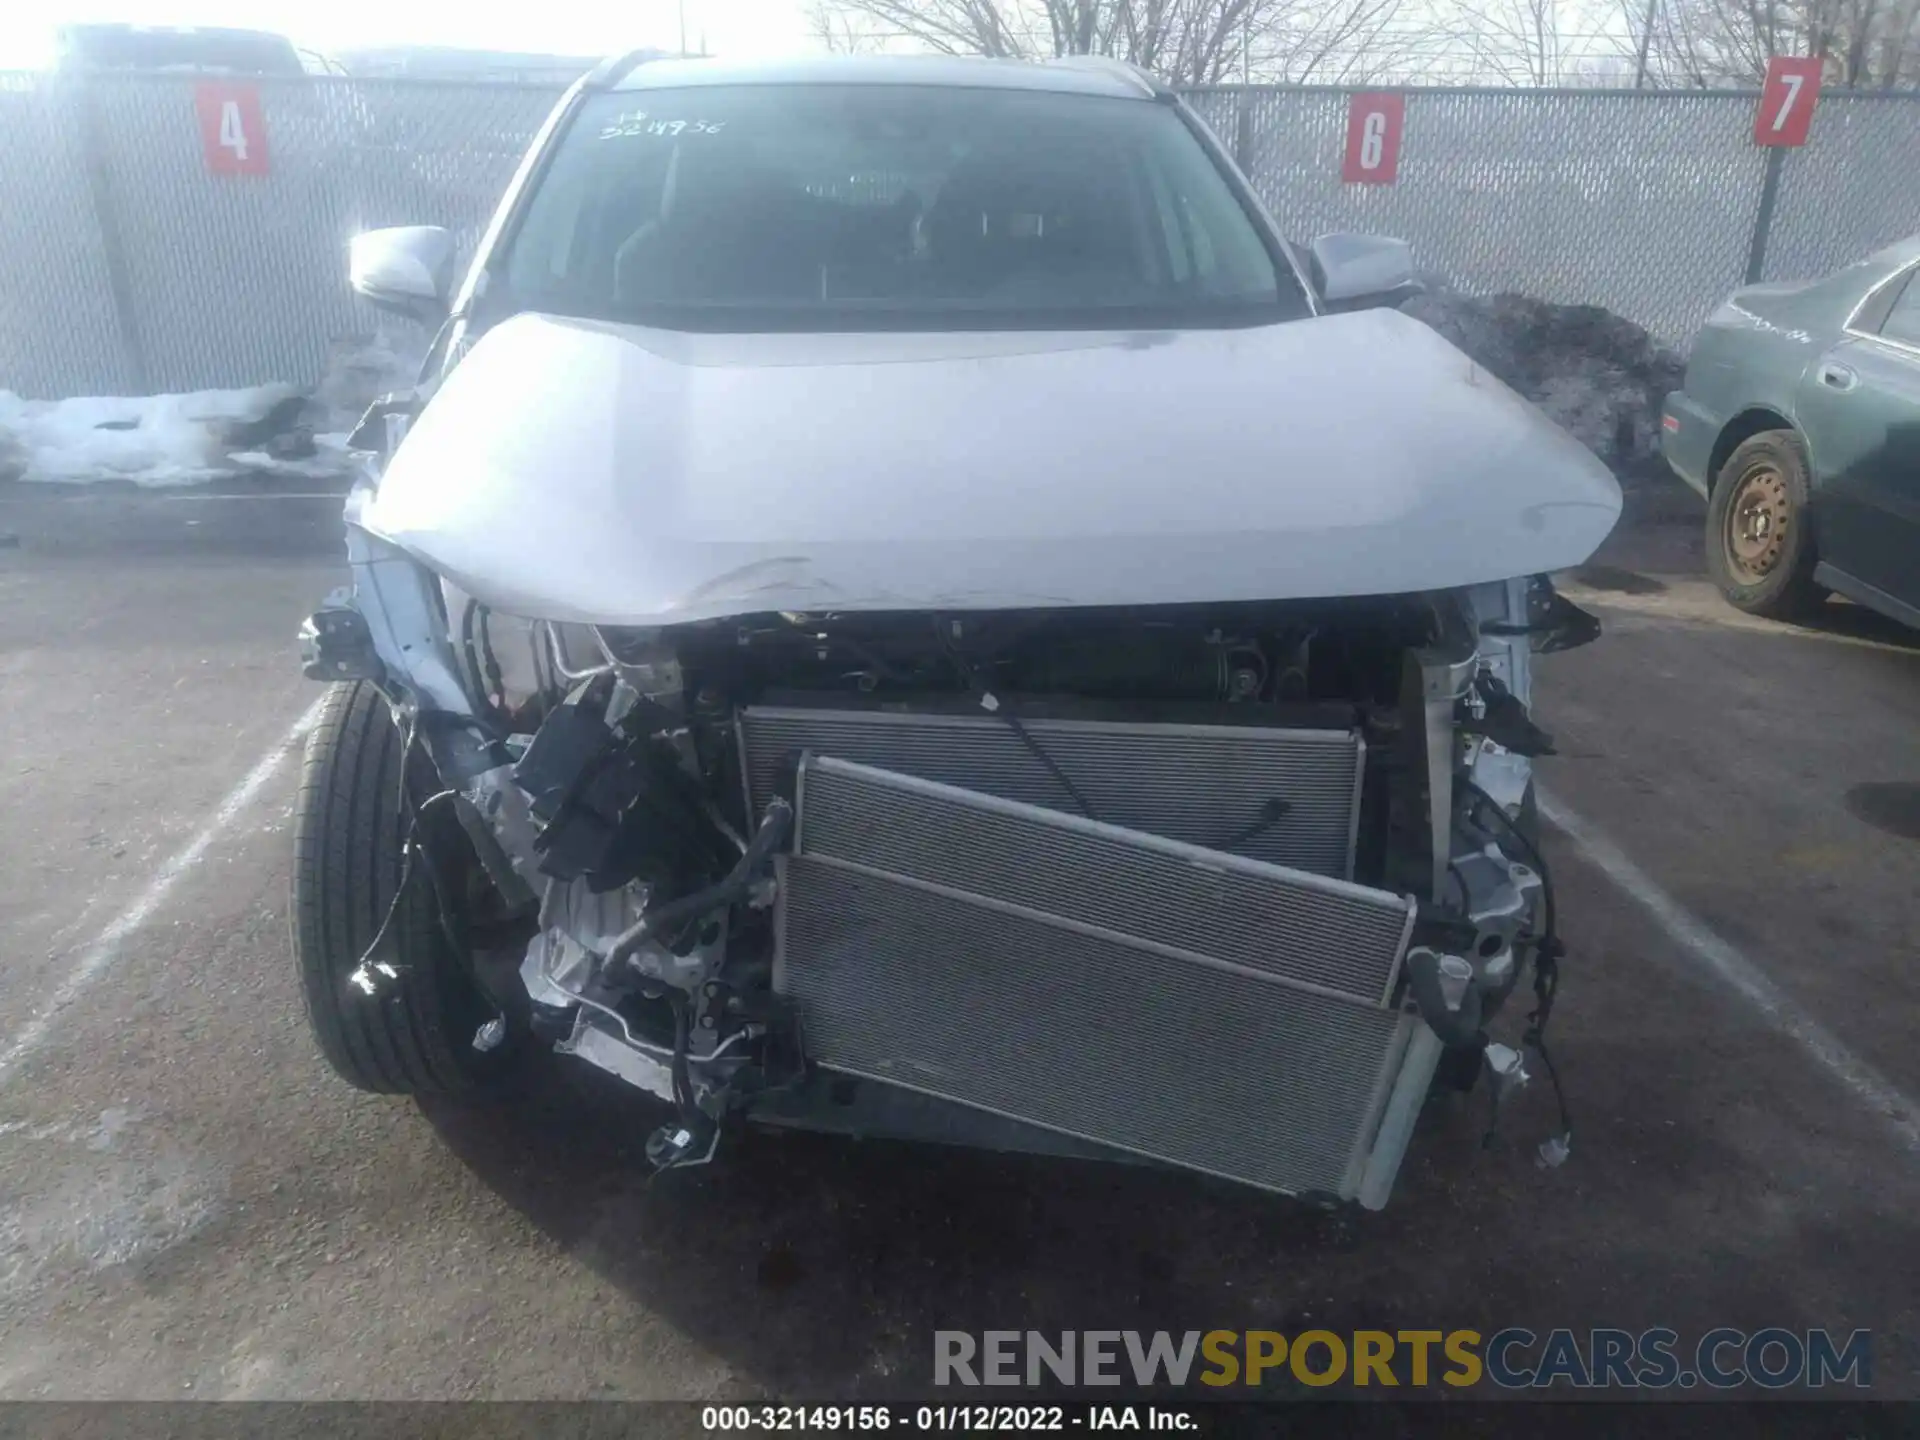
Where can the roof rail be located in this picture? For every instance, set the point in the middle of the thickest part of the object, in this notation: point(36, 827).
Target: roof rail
point(1112, 65)
point(615, 68)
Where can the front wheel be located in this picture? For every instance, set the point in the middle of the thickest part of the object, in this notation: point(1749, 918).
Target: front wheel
point(413, 1033)
point(1760, 549)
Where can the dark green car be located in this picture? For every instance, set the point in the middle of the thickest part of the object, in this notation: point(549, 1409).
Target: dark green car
point(1800, 424)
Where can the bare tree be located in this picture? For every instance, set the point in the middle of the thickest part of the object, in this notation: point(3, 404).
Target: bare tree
point(951, 27)
point(1514, 42)
point(1531, 43)
point(1188, 42)
point(1338, 42)
point(1864, 43)
point(841, 31)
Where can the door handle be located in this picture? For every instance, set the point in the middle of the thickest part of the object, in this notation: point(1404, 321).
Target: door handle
point(1838, 377)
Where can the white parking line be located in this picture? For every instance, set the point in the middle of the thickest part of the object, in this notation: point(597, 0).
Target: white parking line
point(100, 955)
point(1725, 962)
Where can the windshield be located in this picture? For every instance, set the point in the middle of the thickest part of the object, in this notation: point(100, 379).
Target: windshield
point(861, 206)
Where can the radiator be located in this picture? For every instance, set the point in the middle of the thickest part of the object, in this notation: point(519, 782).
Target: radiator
point(1204, 784)
point(1201, 1009)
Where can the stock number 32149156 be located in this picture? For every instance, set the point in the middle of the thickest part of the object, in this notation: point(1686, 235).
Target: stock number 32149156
point(961, 1419)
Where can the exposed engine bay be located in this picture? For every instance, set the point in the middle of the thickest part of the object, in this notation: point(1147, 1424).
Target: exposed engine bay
point(1221, 886)
point(1079, 717)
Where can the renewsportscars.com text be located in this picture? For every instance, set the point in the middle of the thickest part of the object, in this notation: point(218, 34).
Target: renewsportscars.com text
point(1514, 1358)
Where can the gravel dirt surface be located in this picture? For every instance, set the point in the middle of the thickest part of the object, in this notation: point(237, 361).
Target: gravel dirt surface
point(190, 1206)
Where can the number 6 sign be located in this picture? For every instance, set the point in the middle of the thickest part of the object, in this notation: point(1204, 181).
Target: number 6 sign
point(1786, 101)
point(232, 132)
point(1374, 123)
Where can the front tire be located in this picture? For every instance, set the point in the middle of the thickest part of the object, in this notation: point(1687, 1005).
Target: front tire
point(414, 1034)
point(1760, 549)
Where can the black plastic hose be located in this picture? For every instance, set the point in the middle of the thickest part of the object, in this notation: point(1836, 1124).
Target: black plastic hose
point(774, 825)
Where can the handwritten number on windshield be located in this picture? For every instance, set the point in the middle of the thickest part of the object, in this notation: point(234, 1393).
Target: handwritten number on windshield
point(639, 123)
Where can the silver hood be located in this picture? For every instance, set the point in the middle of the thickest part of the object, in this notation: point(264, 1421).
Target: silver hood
point(573, 470)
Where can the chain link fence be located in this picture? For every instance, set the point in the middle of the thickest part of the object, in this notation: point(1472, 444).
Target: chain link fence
point(243, 278)
point(59, 334)
point(126, 265)
point(1853, 188)
point(1642, 204)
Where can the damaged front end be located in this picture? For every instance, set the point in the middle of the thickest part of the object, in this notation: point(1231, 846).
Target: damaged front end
point(1221, 886)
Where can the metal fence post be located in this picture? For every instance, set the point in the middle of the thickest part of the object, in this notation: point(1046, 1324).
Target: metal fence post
point(1763, 220)
point(113, 249)
point(1243, 131)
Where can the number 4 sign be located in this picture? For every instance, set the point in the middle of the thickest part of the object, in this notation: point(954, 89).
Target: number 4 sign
point(232, 132)
point(1374, 123)
point(1786, 101)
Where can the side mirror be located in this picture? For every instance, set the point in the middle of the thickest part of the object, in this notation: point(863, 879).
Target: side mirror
point(407, 270)
point(1363, 268)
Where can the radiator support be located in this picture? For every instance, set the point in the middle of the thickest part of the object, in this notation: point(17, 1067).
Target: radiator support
point(1120, 988)
point(1204, 784)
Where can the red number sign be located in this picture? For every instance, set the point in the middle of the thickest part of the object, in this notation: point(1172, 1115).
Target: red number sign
point(1786, 101)
point(1374, 123)
point(231, 128)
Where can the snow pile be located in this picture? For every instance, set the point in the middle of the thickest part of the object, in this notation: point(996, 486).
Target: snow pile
point(150, 440)
point(1599, 375)
point(268, 430)
point(362, 368)
point(157, 440)
point(325, 457)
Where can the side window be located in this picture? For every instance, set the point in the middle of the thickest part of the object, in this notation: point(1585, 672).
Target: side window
point(1903, 320)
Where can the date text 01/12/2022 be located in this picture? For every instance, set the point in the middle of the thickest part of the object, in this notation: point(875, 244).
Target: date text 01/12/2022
point(963, 1419)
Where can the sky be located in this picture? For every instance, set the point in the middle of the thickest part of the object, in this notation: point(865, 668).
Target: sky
point(737, 28)
point(563, 27)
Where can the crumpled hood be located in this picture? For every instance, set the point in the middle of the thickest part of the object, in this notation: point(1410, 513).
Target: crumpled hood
point(573, 470)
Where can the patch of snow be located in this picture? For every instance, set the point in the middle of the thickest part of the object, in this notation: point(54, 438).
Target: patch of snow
point(326, 463)
point(329, 459)
point(362, 368)
point(14, 454)
point(149, 440)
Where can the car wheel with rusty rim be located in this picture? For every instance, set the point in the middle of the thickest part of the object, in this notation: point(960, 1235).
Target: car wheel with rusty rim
point(1760, 548)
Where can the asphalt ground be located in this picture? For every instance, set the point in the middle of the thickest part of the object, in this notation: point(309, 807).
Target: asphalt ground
point(192, 1207)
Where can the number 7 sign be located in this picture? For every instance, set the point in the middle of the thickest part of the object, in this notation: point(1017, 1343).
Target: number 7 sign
point(1786, 101)
point(232, 131)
